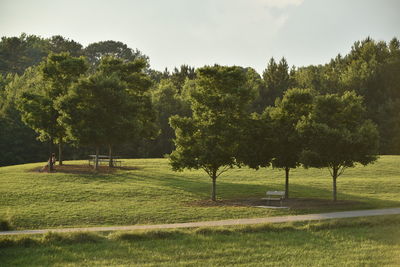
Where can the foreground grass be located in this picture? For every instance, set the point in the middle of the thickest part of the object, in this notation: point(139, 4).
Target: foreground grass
point(347, 242)
point(152, 193)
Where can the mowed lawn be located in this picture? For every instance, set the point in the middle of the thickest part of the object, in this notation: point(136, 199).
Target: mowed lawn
point(149, 192)
point(372, 241)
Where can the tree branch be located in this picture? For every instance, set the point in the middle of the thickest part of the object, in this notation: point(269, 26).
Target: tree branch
point(207, 171)
point(341, 170)
point(223, 170)
point(330, 171)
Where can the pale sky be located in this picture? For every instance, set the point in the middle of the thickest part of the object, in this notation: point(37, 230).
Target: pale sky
point(204, 32)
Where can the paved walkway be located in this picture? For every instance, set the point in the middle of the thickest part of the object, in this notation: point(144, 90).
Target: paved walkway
point(278, 219)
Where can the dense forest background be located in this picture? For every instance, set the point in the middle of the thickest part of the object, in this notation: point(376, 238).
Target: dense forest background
point(371, 69)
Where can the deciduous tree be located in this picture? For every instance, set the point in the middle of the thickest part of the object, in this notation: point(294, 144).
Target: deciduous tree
point(295, 105)
point(208, 139)
point(110, 106)
point(338, 135)
point(37, 105)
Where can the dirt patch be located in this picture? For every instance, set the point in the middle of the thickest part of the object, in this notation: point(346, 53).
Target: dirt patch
point(82, 169)
point(293, 203)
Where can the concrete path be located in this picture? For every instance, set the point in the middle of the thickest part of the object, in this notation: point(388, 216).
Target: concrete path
point(278, 219)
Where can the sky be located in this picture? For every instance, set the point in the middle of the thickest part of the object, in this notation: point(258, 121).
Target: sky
point(206, 32)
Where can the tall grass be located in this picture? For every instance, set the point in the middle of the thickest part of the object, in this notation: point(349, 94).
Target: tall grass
point(372, 241)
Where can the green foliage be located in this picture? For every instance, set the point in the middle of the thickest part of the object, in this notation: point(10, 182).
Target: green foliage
point(295, 105)
point(96, 51)
point(19, 53)
point(208, 139)
point(257, 141)
point(87, 111)
point(338, 134)
point(17, 141)
point(178, 76)
point(272, 137)
point(110, 106)
point(58, 44)
point(37, 102)
point(278, 78)
point(287, 143)
point(52, 81)
point(167, 102)
point(372, 70)
point(257, 85)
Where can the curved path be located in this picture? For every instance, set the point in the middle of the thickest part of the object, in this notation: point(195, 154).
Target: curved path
point(278, 219)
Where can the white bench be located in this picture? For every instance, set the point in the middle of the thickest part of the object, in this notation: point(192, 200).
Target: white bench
point(275, 195)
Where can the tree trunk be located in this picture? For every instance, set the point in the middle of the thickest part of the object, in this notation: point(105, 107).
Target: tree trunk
point(287, 182)
point(334, 176)
point(60, 160)
point(214, 186)
point(51, 167)
point(111, 162)
point(96, 164)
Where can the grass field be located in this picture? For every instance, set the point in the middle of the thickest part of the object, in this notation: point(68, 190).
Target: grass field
point(372, 241)
point(149, 192)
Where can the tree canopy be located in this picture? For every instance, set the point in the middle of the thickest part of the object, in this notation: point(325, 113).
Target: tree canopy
point(109, 106)
point(371, 69)
point(208, 139)
point(37, 104)
point(338, 135)
point(295, 105)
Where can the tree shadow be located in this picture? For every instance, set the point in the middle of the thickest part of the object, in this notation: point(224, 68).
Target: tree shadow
point(305, 198)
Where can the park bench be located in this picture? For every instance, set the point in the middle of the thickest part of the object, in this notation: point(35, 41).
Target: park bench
point(275, 195)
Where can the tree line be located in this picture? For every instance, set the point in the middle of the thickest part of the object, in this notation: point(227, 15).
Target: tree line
point(303, 128)
point(30, 69)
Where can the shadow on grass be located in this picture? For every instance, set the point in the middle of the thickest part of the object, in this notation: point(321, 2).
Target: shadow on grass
point(306, 198)
point(83, 169)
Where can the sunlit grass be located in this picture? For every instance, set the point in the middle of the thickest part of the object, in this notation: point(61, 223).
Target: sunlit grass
point(372, 241)
point(152, 193)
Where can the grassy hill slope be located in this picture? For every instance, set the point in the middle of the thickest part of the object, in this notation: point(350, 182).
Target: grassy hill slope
point(148, 192)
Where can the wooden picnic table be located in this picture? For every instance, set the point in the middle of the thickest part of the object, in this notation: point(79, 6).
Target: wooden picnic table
point(105, 159)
